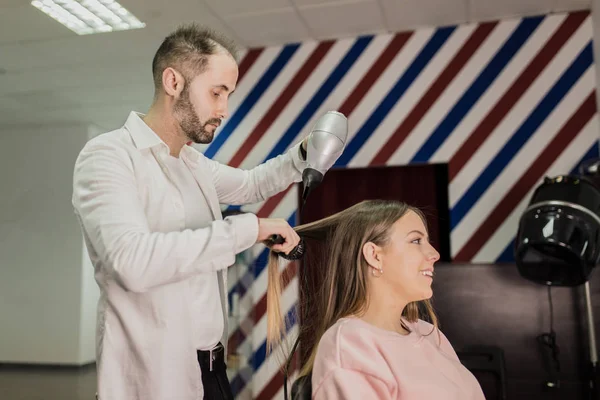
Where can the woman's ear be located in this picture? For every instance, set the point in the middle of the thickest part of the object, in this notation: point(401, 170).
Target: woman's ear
point(372, 254)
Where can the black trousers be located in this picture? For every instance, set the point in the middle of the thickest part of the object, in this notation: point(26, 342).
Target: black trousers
point(214, 374)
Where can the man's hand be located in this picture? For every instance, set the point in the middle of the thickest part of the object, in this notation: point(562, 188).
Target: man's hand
point(267, 227)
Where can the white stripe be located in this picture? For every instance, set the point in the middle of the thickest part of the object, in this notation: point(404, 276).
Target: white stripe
point(287, 205)
point(436, 114)
point(235, 273)
point(348, 83)
point(522, 161)
point(246, 393)
point(245, 309)
point(253, 74)
point(415, 93)
point(520, 111)
point(563, 165)
point(502, 83)
point(302, 96)
point(265, 101)
point(401, 62)
point(343, 89)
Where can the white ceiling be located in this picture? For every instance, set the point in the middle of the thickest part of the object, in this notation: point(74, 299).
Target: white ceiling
point(48, 74)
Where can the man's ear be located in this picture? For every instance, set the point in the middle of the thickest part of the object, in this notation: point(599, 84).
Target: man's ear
point(173, 82)
point(372, 254)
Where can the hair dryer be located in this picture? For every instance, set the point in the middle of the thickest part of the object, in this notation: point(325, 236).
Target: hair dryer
point(326, 142)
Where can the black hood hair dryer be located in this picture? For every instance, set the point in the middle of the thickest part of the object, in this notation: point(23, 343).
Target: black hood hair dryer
point(558, 244)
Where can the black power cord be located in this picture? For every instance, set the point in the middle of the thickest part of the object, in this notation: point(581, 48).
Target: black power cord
point(550, 350)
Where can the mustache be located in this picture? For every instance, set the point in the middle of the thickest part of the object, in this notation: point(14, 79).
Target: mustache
point(215, 121)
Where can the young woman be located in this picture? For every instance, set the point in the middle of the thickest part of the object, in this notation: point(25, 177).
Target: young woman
point(368, 338)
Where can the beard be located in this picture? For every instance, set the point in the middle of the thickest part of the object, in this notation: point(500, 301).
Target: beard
point(194, 129)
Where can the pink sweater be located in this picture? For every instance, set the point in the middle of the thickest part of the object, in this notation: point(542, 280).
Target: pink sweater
point(357, 360)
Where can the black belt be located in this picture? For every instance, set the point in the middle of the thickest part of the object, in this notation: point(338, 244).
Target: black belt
point(206, 358)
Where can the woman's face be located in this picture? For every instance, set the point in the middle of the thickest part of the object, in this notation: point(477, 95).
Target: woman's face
point(407, 260)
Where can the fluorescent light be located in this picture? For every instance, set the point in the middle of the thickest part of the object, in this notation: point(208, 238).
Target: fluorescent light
point(89, 16)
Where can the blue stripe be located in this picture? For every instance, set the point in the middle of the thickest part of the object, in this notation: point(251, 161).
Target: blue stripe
point(237, 385)
point(252, 98)
point(593, 152)
point(317, 100)
point(404, 82)
point(508, 253)
point(522, 135)
point(477, 89)
point(261, 353)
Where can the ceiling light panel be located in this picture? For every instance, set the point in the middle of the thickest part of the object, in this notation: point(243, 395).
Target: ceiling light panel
point(85, 17)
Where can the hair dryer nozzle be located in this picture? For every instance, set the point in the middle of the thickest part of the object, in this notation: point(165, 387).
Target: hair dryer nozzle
point(311, 179)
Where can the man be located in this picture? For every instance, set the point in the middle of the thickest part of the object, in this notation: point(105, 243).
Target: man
point(148, 205)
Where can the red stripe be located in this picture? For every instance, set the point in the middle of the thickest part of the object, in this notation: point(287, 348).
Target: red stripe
point(248, 61)
point(271, 388)
point(518, 88)
point(278, 105)
point(378, 67)
point(433, 93)
point(567, 134)
point(267, 208)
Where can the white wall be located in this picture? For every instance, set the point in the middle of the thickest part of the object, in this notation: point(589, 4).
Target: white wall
point(47, 294)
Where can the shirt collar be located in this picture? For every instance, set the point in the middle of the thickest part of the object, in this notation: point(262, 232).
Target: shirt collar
point(145, 138)
point(142, 135)
point(190, 153)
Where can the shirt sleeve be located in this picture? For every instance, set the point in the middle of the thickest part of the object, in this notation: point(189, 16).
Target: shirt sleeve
point(345, 384)
point(110, 210)
point(238, 186)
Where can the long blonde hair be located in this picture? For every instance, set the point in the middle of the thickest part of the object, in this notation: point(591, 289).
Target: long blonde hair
point(343, 291)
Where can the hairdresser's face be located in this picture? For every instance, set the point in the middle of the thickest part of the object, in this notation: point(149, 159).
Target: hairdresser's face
point(408, 259)
point(203, 102)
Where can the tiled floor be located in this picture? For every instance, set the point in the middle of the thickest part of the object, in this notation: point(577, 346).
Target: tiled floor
point(47, 383)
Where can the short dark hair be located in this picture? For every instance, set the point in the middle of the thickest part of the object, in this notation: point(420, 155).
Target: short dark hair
point(187, 49)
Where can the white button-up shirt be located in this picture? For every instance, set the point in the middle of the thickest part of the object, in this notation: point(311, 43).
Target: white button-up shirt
point(151, 262)
point(206, 307)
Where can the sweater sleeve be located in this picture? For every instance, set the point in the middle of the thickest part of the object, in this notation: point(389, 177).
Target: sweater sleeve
point(346, 384)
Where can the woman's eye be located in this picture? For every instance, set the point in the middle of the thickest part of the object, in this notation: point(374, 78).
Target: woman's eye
point(417, 241)
point(216, 94)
